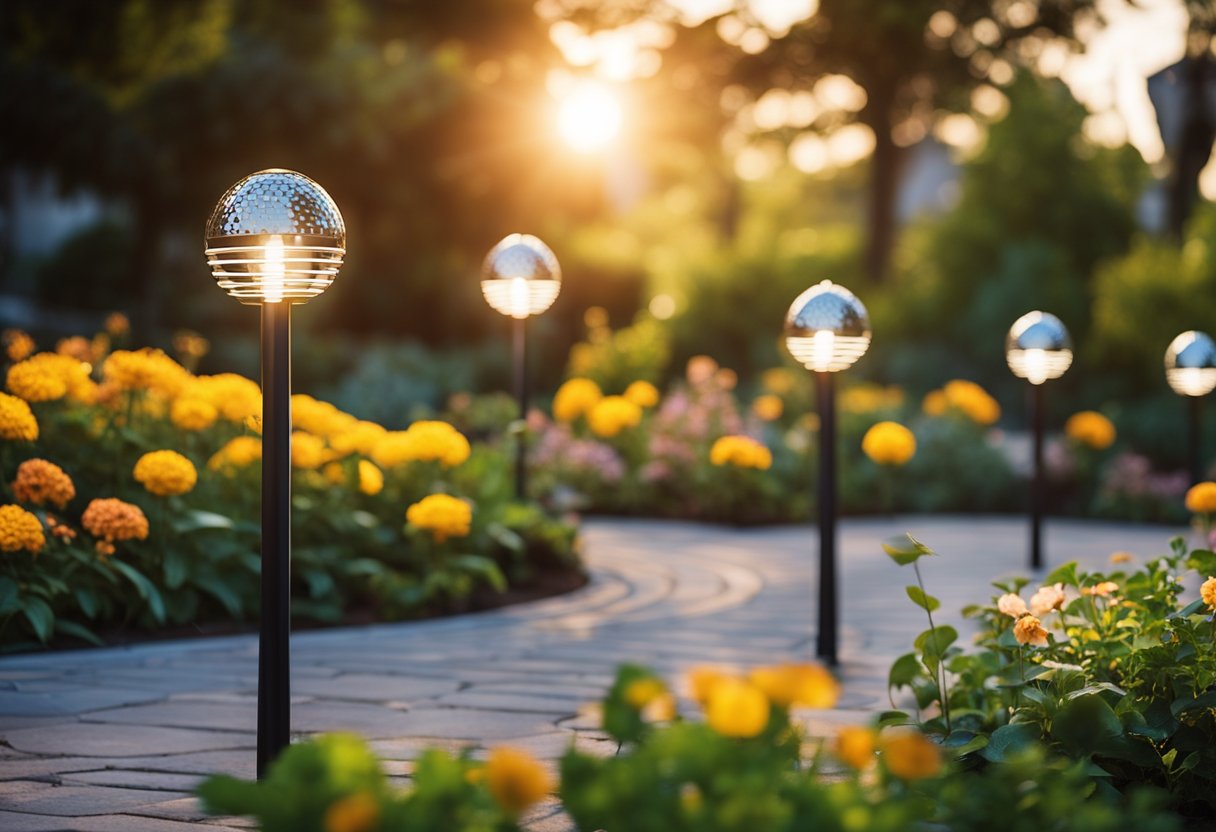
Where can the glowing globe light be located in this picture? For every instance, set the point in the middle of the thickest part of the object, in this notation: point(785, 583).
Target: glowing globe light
point(275, 236)
point(1190, 364)
point(1038, 347)
point(589, 117)
point(520, 276)
point(827, 328)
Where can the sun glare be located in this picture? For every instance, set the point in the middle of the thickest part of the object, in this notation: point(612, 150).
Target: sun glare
point(589, 117)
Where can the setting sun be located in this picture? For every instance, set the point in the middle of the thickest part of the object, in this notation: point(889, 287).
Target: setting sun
point(589, 116)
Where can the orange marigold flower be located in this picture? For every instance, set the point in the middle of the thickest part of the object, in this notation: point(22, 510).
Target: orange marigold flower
point(516, 779)
point(20, 529)
point(855, 746)
point(112, 520)
point(18, 345)
point(1029, 630)
point(41, 482)
point(1208, 592)
point(808, 685)
point(1201, 498)
point(17, 421)
point(910, 755)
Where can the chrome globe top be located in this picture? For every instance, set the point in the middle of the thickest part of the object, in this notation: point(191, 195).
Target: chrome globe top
point(1190, 364)
point(275, 236)
point(827, 328)
point(521, 276)
point(1038, 347)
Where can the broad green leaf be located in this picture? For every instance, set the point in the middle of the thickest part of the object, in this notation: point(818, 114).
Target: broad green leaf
point(175, 568)
point(38, 613)
point(935, 642)
point(905, 550)
point(146, 589)
point(889, 718)
point(1203, 562)
point(221, 592)
point(904, 670)
point(195, 520)
point(1010, 740)
point(483, 567)
point(1087, 725)
point(925, 602)
point(72, 628)
point(8, 595)
point(1064, 574)
point(86, 599)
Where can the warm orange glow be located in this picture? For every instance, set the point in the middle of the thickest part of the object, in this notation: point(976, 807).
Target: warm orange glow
point(589, 116)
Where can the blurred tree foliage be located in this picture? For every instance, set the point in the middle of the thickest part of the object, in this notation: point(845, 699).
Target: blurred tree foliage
point(426, 121)
point(916, 60)
point(1039, 209)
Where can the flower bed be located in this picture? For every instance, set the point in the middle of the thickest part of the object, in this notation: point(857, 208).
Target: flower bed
point(133, 491)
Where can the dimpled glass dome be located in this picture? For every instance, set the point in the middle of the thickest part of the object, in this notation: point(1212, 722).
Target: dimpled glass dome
point(521, 276)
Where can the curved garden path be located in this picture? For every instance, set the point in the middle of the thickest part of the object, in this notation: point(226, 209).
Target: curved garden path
point(114, 739)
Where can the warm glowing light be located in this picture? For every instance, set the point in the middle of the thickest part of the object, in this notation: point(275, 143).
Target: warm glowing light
point(1038, 366)
point(1038, 347)
point(1190, 364)
point(662, 306)
point(826, 352)
point(589, 117)
point(273, 271)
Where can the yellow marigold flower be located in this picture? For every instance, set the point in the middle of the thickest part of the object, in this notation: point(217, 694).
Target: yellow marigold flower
point(114, 520)
point(575, 398)
point(117, 324)
point(20, 529)
point(358, 812)
point(41, 482)
point(808, 685)
point(972, 400)
point(1047, 599)
point(17, 421)
point(360, 437)
point(516, 779)
point(18, 345)
point(1201, 498)
point(741, 452)
point(442, 515)
point(237, 453)
point(737, 708)
point(307, 451)
point(642, 393)
point(768, 407)
point(910, 755)
point(145, 369)
point(889, 443)
point(425, 441)
point(35, 382)
point(193, 414)
point(1012, 605)
point(1121, 557)
point(318, 417)
point(165, 473)
point(651, 697)
point(371, 478)
point(1090, 428)
point(334, 473)
point(1207, 591)
point(234, 396)
point(190, 344)
point(778, 380)
point(613, 414)
point(935, 403)
point(854, 746)
point(702, 680)
point(1029, 630)
point(866, 398)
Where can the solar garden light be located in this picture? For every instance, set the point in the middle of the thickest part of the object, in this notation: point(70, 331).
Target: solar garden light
point(827, 329)
point(275, 239)
point(1190, 370)
point(521, 278)
point(1038, 349)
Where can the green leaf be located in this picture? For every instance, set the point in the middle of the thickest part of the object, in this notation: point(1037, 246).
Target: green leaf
point(86, 599)
point(320, 583)
point(146, 589)
point(904, 671)
point(40, 616)
point(195, 520)
point(506, 538)
point(934, 643)
point(175, 568)
point(9, 591)
point(72, 628)
point(905, 550)
point(1065, 574)
point(964, 742)
point(926, 602)
point(221, 592)
point(1203, 562)
point(889, 718)
point(1009, 741)
point(482, 567)
point(1087, 725)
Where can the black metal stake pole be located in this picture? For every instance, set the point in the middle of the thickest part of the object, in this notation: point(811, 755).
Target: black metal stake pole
point(274, 657)
point(1037, 480)
point(826, 637)
point(1196, 439)
point(521, 393)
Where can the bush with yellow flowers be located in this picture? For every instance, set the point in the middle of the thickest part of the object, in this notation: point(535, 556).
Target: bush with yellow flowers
point(746, 762)
point(335, 784)
point(1113, 671)
point(142, 477)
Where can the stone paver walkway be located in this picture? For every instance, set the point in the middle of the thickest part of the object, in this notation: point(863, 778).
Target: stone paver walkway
point(115, 739)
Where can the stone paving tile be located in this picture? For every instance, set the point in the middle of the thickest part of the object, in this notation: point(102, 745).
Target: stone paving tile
point(155, 717)
point(121, 740)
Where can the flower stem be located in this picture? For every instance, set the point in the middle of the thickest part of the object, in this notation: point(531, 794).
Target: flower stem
point(942, 691)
